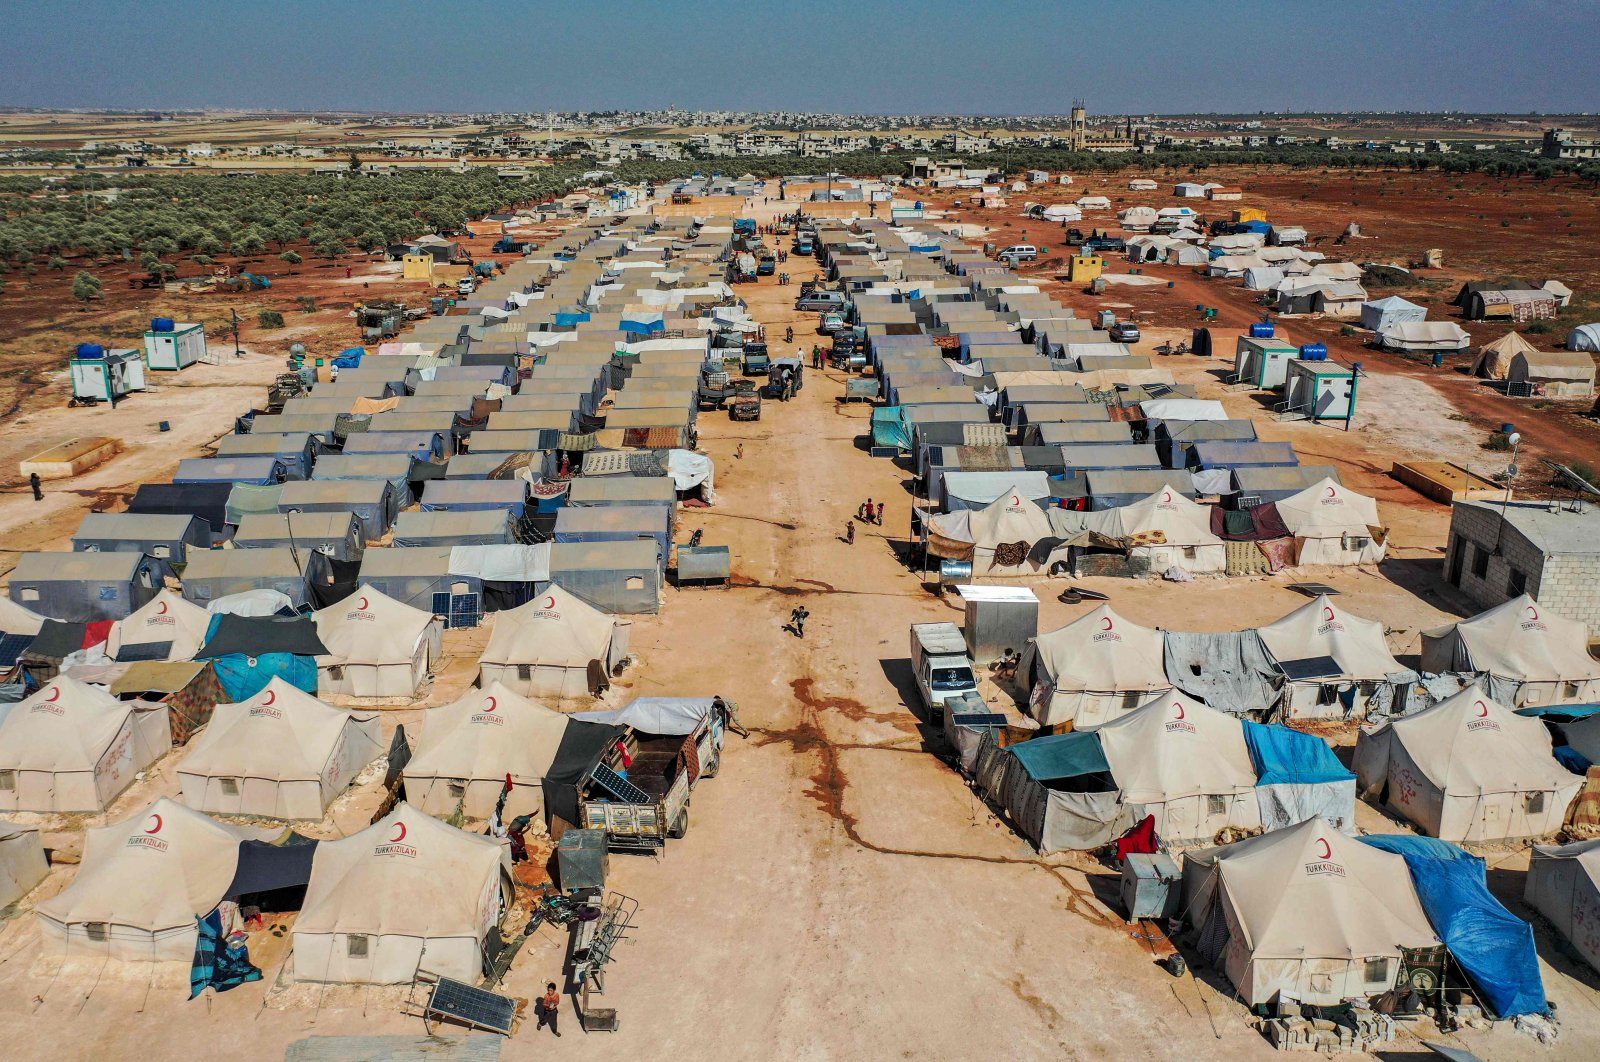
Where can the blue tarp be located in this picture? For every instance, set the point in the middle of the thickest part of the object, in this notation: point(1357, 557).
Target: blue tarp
point(243, 677)
point(218, 964)
point(633, 324)
point(1062, 756)
point(350, 358)
point(1570, 711)
point(1572, 759)
point(565, 319)
point(1491, 944)
point(1287, 757)
point(890, 427)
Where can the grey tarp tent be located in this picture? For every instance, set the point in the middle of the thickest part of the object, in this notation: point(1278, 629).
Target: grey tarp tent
point(372, 500)
point(617, 577)
point(85, 587)
point(168, 536)
point(222, 572)
point(338, 535)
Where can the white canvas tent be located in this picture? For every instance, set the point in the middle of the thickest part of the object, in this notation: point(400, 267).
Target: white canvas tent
point(1494, 359)
point(1059, 212)
point(378, 648)
point(1446, 336)
point(166, 628)
point(1379, 314)
point(1563, 884)
point(556, 645)
point(1185, 764)
point(22, 862)
point(1097, 668)
point(407, 892)
point(14, 619)
point(1304, 913)
point(470, 746)
point(74, 747)
point(1360, 660)
point(1011, 518)
point(1530, 655)
point(1334, 525)
point(143, 884)
point(1177, 530)
point(282, 754)
point(1469, 769)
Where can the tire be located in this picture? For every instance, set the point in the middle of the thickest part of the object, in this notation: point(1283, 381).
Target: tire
point(680, 825)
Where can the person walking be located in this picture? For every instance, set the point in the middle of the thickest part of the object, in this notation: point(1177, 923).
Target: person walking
point(38, 491)
point(549, 1008)
point(797, 620)
point(849, 532)
point(878, 519)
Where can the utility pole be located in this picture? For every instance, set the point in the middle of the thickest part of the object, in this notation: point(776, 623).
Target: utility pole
point(236, 351)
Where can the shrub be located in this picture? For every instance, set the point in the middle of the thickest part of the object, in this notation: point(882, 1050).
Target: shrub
point(270, 319)
point(308, 303)
point(292, 257)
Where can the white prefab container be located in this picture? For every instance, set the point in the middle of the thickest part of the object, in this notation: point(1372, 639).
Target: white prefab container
point(116, 374)
point(177, 349)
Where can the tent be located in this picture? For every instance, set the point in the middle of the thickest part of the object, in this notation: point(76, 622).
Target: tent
point(1380, 314)
point(1093, 670)
point(554, 646)
point(1337, 664)
point(470, 747)
point(1185, 764)
point(1529, 655)
point(169, 536)
point(1491, 944)
point(144, 883)
point(1298, 777)
point(1000, 537)
point(1164, 530)
point(1553, 373)
point(1304, 913)
point(1445, 336)
point(1585, 337)
point(167, 628)
point(1563, 884)
point(282, 754)
point(405, 893)
point(1332, 524)
point(1494, 359)
point(1467, 769)
point(1057, 790)
point(22, 862)
point(377, 647)
point(87, 587)
point(74, 747)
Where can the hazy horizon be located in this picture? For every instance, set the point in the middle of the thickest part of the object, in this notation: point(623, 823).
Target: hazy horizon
point(998, 59)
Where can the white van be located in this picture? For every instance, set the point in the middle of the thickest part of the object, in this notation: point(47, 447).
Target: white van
point(1020, 252)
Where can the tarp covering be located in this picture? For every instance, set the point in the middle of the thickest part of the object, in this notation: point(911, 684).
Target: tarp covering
point(1236, 673)
point(675, 716)
point(218, 964)
point(255, 636)
point(1563, 884)
point(1491, 944)
point(1072, 755)
point(1298, 777)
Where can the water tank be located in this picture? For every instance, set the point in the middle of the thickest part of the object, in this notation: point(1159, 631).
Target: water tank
point(297, 350)
point(1262, 330)
point(162, 324)
point(91, 350)
point(1314, 352)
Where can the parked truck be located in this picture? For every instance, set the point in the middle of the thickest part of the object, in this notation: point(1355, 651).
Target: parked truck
point(639, 793)
point(943, 670)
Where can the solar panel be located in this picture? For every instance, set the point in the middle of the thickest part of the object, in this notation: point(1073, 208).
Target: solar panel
point(980, 719)
point(472, 1006)
point(13, 646)
point(619, 787)
point(1314, 589)
point(1312, 667)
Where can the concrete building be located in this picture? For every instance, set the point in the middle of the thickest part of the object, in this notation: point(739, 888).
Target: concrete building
point(1562, 144)
point(1548, 550)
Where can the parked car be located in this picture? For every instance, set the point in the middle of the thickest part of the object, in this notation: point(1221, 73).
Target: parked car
point(830, 322)
point(1125, 332)
point(1020, 252)
point(821, 300)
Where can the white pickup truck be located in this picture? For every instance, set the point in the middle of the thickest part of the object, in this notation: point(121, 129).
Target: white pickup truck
point(940, 662)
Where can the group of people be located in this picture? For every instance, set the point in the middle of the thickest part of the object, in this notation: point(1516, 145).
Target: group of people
point(868, 513)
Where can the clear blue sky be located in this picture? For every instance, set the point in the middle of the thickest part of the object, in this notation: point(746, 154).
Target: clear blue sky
point(879, 56)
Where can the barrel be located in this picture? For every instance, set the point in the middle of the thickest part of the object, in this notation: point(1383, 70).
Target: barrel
point(91, 350)
point(162, 324)
point(1313, 352)
point(1263, 330)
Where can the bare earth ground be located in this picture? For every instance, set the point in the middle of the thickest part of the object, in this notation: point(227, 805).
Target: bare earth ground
point(841, 893)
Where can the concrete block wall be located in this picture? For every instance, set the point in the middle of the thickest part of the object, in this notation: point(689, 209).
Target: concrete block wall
point(1567, 584)
point(1571, 588)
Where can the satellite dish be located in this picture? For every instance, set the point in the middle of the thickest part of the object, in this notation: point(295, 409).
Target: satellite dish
point(1512, 471)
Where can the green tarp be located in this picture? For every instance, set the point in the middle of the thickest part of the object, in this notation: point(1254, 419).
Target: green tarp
point(890, 427)
point(1061, 756)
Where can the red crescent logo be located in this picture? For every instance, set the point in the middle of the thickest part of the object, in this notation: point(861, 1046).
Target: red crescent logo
point(1533, 610)
point(1327, 613)
point(1333, 492)
point(157, 827)
point(1166, 497)
point(55, 694)
point(162, 610)
point(272, 695)
point(1107, 621)
point(1016, 501)
point(1179, 706)
point(550, 602)
point(400, 835)
point(490, 706)
point(361, 605)
point(1327, 849)
point(1483, 709)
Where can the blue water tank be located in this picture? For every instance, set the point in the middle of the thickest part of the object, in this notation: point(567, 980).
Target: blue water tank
point(1314, 352)
point(162, 324)
point(1262, 330)
point(91, 350)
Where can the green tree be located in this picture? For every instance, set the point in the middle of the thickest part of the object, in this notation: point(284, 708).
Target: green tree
point(150, 261)
point(85, 287)
point(292, 257)
point(252, 242)
point(58, 263)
